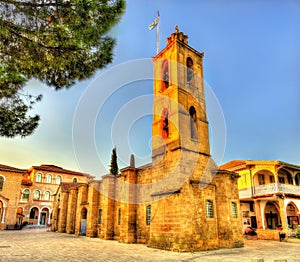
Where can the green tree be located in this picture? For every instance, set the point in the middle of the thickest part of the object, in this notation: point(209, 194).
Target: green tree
point(58, 42)
point(114, 169)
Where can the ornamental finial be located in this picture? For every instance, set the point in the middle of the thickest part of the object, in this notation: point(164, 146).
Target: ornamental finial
point(176, 29)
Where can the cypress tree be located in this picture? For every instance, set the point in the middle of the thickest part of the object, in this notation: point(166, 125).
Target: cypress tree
point(114, 169)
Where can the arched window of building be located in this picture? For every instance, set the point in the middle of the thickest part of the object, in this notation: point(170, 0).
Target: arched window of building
point(100, 216)
point(234, 210)
point(189, 70)
point(148, 215)
point(25, 195)
point(165, 75)
point(209, 209)
point(48, 178)
point(193, 122)
point(47, 195)
point(2, 179)
point(36, 195)
point(165, 123)
point(58, 180)
point(75, 180)
point(119, 216)
point(38, 177)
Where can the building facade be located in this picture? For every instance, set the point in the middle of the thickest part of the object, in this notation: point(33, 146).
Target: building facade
point(269, 193)
point(180, 201)
point(26, 195)
point(10, 186)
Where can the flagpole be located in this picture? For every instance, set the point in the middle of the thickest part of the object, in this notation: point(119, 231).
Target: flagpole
point(157, 33)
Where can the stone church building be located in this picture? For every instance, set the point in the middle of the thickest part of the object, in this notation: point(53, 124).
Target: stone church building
point(181, 201)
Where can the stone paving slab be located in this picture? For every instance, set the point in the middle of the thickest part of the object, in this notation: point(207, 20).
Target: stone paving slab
point(34, 245)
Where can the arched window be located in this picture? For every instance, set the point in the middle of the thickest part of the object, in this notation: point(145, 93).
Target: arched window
point(49, 178)
point(165, 123)
point(119, 216)
point(100, 216)
point(209, 209)
point(189, 70)
point(165, 75)
point(2, 179)
point(234, 210)
point(193, 122)
point(47, 195)
point(38, 177)
point(25, 195)
point(75, 180)
point(58, 180)
point(148, 215)
point(36, 195)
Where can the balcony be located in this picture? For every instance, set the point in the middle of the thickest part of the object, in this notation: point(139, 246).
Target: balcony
point(269, 189)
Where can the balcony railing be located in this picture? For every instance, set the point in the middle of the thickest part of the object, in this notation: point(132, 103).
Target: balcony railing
point(268, 189)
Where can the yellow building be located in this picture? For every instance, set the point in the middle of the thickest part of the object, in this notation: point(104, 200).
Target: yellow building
point(269, 193)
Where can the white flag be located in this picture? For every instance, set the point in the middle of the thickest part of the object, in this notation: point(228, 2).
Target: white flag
point(154, 23)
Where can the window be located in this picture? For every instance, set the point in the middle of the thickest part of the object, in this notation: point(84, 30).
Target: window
point(1, 182)
point(165, 123)
point(234, 209)
point(272, 180)
point(193, 122)
point(148, 215)
point(261, 179)
point(165, 75)
point(100, 216)
point(49, 178)
point(251, 205)
point(36, 195)
point(189, 70)
point(25, 195)
point(58, 180)
point(119, 216)
point(75, 180)
point(47, 195)
point(38, 177)
point(209, 209)
point(281, 180)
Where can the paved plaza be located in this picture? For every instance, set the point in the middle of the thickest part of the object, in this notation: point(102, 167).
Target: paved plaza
point(42, 245)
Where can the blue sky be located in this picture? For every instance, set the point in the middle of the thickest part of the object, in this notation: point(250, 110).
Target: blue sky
point(251, 62)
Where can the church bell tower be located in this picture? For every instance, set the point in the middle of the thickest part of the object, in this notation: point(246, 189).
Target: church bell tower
point(179, 111)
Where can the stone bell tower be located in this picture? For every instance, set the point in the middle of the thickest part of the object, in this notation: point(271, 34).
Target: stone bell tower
point(180, 123)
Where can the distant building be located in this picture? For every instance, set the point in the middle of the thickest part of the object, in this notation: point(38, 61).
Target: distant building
point(269, 193)
point(27, 195)
point(179, 202)
point(10, 186)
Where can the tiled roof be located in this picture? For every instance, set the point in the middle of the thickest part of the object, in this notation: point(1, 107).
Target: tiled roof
point(232, 163)
point(11, 169)
point(53, 168)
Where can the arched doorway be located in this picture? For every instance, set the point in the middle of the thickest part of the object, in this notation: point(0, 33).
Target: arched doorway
point(83, 221)
point(291, 213)
point(272, 215)
point(44, 216)
point(33, 216)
